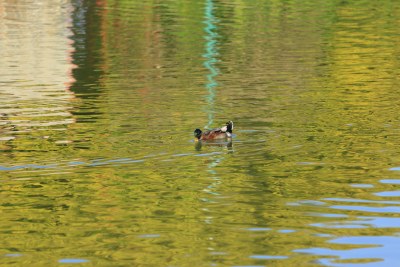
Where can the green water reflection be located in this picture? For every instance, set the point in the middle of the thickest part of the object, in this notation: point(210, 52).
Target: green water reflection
point(100, 100)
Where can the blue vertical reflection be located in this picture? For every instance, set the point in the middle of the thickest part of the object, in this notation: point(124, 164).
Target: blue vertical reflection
point(209, 63)
point(210, 60)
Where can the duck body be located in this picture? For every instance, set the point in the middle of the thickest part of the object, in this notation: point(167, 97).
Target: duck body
point(224, 132)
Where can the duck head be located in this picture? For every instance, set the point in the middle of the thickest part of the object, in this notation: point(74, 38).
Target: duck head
point(197, 133)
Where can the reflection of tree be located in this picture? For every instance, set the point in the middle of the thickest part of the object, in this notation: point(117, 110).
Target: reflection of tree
point(309, 77)
point(87, 48)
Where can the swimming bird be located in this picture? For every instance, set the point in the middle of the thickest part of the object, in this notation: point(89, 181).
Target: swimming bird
point(218, 133)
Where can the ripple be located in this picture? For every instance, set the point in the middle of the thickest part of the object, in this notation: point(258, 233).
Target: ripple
point(339, 225)
point(388, 194)
point(27, 166)
point(355, 200)
point(258, 229)
point(377, 250)
point(267, 257)
point(324, 235)
point(72, 260)
point(286, 231)
point(368, 209)
point(378, 222)
point(390, 181)
point(307, 203)
point(362, 185)
point(182, 155)
point(13, 255)
point(328, 215)
point(364, 221)
point(208, 154)
point(7, 138)
point(149, 236)
point(310, 163)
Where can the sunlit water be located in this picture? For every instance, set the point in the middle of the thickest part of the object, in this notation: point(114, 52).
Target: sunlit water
point(99, 100)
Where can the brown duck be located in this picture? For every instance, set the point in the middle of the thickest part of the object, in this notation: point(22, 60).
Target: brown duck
point(218, 133)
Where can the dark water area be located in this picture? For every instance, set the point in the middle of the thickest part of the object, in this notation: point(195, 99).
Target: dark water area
point(99, 100)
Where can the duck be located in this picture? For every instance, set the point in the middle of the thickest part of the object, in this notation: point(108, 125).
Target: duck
point(224, 132)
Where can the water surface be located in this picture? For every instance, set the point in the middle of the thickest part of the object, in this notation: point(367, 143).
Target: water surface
point(99, 101)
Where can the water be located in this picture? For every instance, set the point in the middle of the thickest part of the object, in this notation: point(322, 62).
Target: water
point(99, 101)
